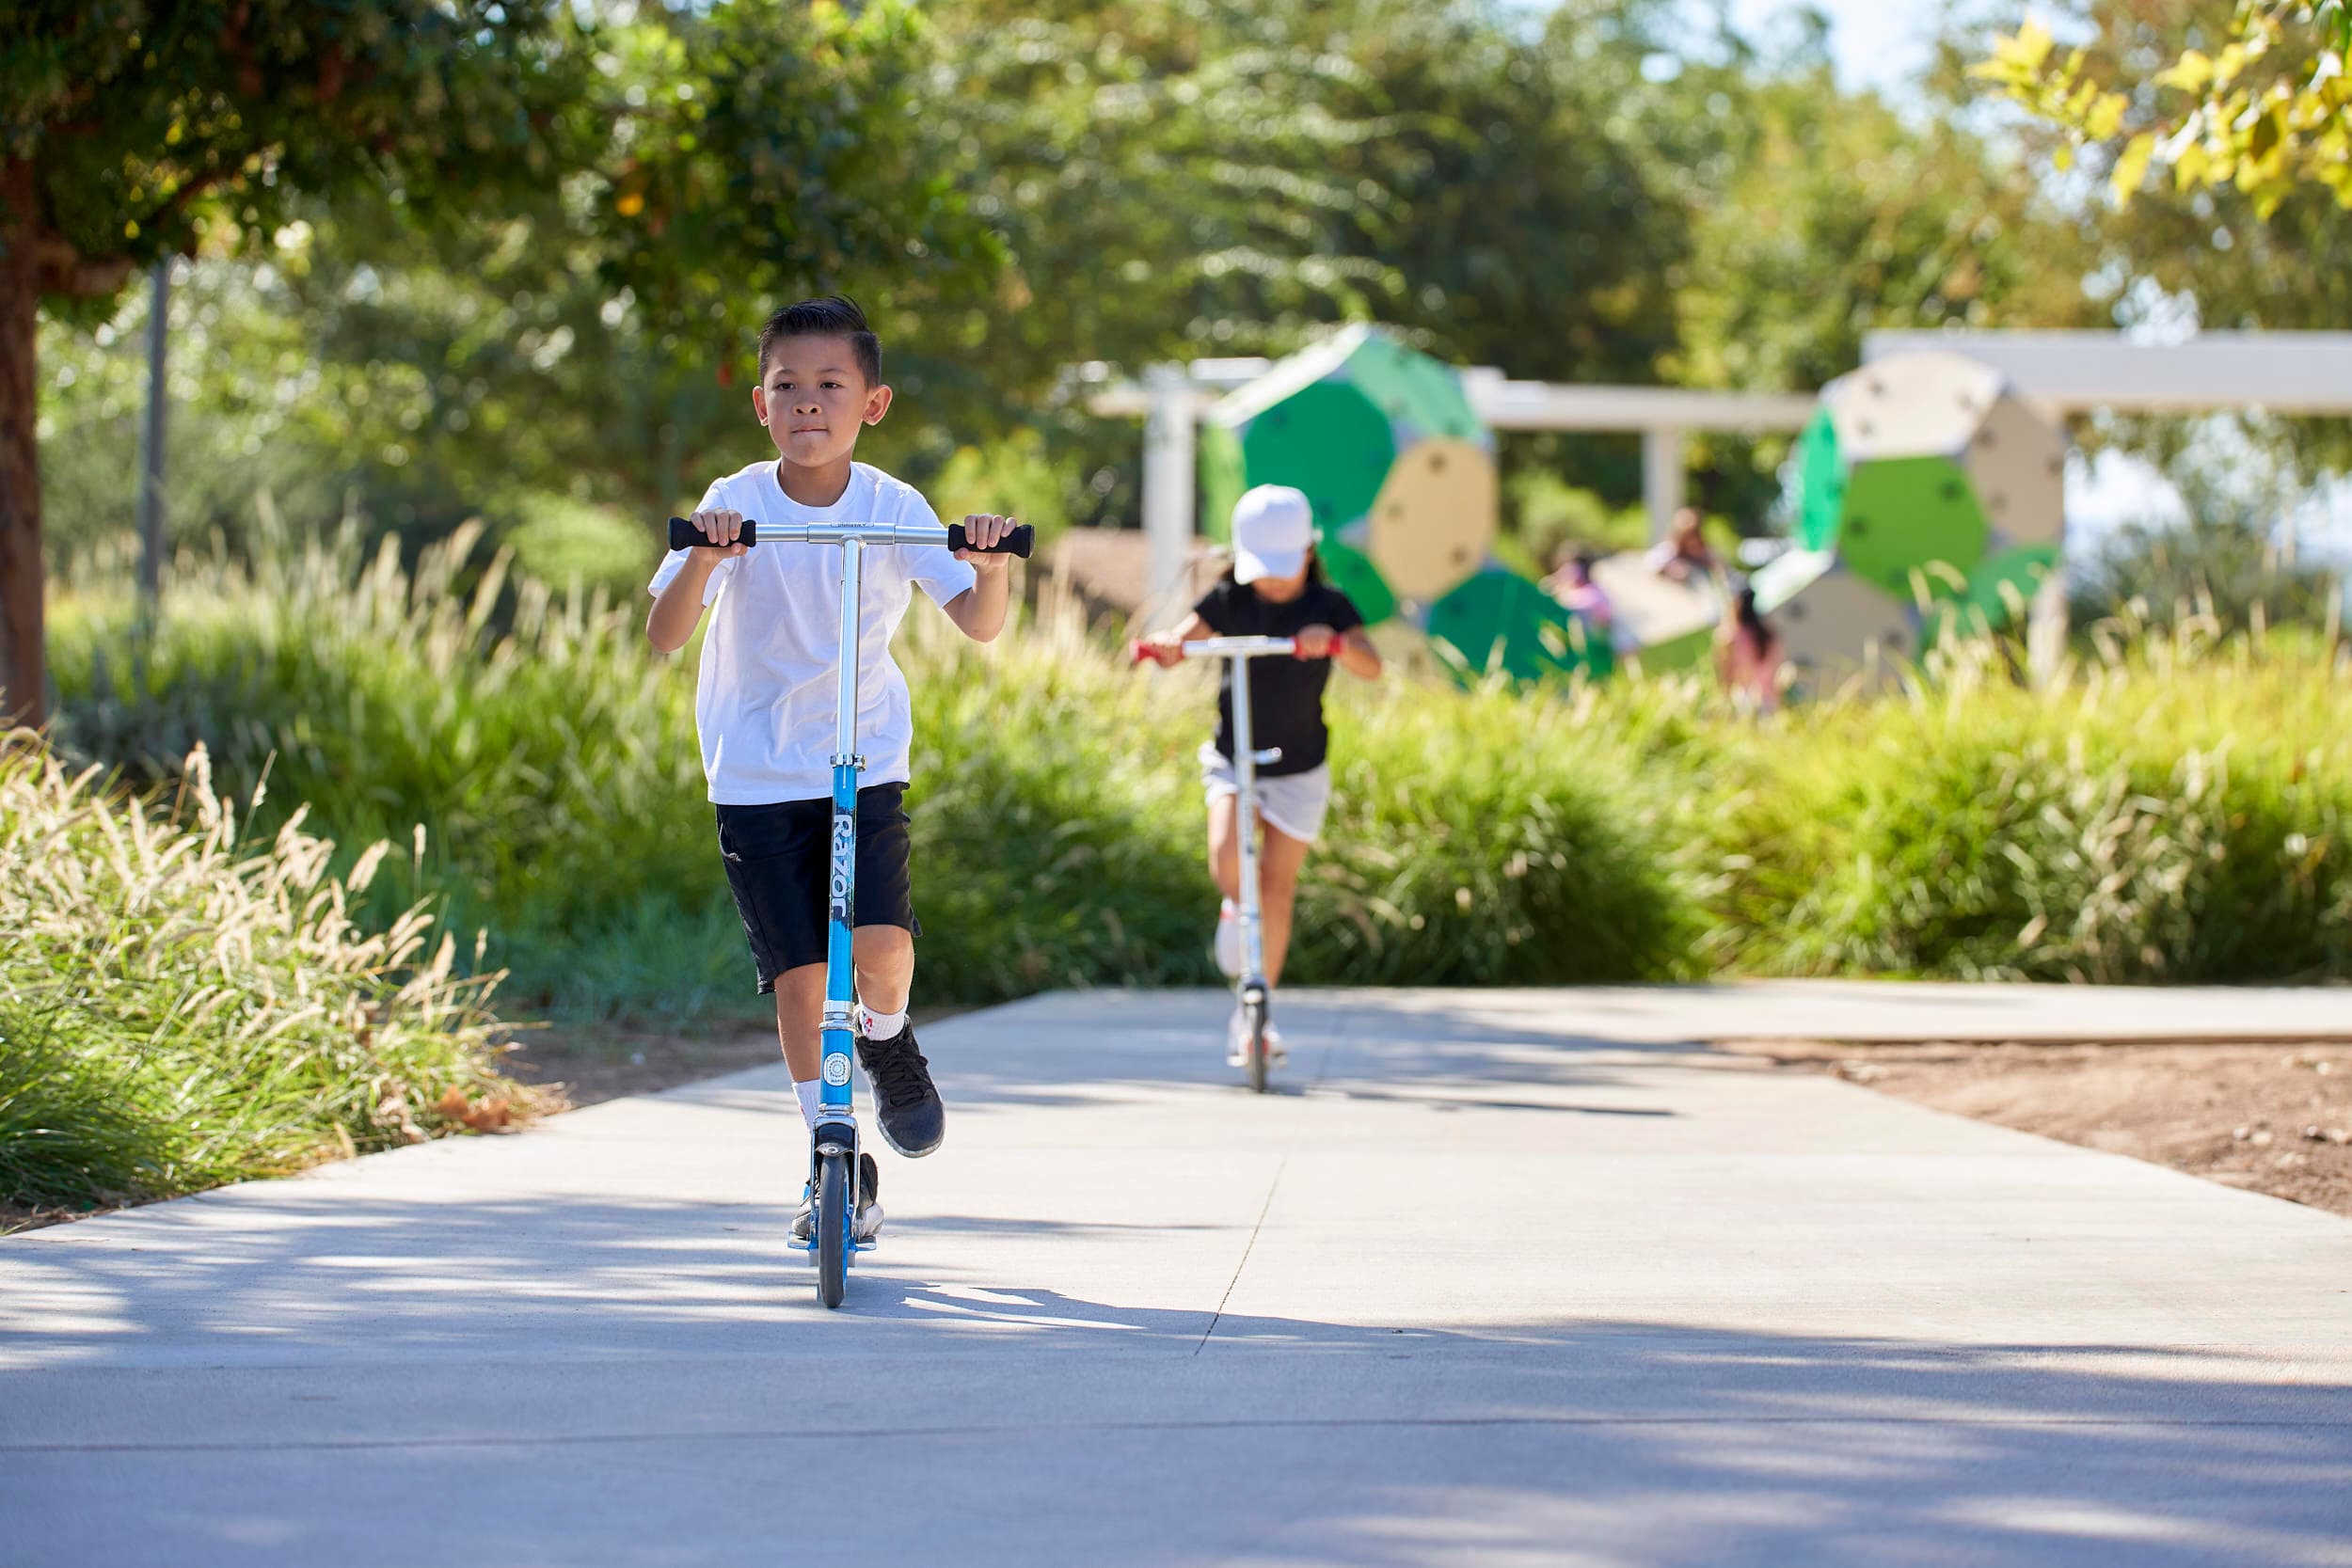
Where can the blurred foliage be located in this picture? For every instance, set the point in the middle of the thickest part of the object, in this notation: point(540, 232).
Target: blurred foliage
point(1630, 191)
point(2228, 562)
point(2171, 259)
point(1835, 214)
point(152, 129)
point(132, 130)
point(1550, 514)
point(1013, 476)
point(2267, 112)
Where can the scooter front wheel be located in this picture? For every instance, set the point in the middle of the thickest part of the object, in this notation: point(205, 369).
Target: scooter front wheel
point(832, 1223)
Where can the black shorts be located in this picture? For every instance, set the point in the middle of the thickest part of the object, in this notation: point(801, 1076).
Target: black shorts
point(779, 862)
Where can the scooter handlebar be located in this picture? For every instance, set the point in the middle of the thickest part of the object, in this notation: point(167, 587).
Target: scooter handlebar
point(683, 535)
point(1020, 542)
point(1139, 651)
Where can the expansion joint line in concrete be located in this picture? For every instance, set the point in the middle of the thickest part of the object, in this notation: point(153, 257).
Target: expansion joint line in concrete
point(1264, 1210)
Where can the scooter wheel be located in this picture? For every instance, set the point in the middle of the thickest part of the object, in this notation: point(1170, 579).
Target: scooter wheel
point(832, 1223)
point(1253, 1017)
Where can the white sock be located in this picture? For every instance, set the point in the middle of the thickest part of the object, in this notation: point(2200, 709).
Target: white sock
point(885, 1026)
point(808, 1093)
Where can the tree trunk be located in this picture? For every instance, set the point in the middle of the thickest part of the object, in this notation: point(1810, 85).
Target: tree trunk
point(23, 673)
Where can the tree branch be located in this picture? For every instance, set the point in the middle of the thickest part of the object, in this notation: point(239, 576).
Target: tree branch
point(60, 268)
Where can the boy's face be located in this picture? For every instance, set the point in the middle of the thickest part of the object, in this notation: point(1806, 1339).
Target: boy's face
point(814, 400)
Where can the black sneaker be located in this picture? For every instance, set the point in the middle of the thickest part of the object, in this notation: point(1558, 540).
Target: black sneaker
point(912, 1120)
point(869, 1211)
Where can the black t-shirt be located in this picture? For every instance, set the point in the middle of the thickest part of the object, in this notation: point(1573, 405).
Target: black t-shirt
point(1285, 694)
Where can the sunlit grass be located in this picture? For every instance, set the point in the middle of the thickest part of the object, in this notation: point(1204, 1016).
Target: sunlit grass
point(2172, 809)
point(182, 1006)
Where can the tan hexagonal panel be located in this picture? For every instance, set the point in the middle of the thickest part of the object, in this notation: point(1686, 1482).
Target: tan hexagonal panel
point(1837, 627)
point(2017, 463)
point(1434, 520)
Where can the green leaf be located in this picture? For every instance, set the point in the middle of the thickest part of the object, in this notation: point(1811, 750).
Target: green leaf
point(2192, 73)
point(2026, 48)
point(2105, 117)
point(2263, 139)
point(2131, 168)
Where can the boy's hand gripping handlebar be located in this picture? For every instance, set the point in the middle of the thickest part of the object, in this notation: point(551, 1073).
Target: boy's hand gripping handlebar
point(683, 535)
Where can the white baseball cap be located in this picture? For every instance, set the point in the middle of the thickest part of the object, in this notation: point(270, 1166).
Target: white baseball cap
point(1274, 527)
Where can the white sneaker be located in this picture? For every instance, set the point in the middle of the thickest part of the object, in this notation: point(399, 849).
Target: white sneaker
point(1237, 1042)
point(1228, 943)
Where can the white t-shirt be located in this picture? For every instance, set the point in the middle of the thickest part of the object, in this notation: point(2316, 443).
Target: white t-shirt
point(767, 697)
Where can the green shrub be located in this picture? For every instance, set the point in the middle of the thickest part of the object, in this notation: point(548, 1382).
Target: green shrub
point(2174, 810)
point(1013, 476)
point(181, 1006)
point(2180, 815)
point(560, 541)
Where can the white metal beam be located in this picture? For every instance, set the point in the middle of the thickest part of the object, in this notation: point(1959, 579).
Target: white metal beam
point(2284, 373)
point(1548, 406)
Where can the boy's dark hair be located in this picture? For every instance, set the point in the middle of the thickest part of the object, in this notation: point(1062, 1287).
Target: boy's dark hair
point(834, 316)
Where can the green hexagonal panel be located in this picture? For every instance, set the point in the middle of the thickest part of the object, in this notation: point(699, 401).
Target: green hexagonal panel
point(1820, 483)
point(1354, 576)
point(1328, 440)
point(1223, 479)
point(1497, 619)
point(1984, 605)
point(1415, 391)
point(1912, 515)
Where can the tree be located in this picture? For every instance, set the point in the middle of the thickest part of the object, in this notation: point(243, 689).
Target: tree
point(2269, 111)
point(2232, 247)
point(133, 128)
point(622, 204)
point(1828, 217)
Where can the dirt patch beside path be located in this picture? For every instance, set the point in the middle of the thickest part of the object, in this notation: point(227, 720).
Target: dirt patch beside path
point(591, 1065)
point(2273, 1119)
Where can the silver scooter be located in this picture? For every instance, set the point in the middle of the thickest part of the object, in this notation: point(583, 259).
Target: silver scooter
point(1254, 991)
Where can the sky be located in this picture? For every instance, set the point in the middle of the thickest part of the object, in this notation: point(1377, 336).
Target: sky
point(1876, 42)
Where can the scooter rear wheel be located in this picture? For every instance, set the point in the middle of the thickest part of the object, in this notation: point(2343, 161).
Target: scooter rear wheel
point(1253, 1015)
point(832, 1223)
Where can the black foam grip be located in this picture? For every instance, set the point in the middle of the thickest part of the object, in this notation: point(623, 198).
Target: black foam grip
point(683, 535)
point(1019, 541)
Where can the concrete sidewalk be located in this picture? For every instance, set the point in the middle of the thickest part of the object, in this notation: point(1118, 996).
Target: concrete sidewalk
point(1501, 1278)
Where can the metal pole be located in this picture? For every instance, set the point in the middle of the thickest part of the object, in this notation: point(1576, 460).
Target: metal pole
point(1662, 477)
point(1167, 482)
point(151, 451)
point(845, 733)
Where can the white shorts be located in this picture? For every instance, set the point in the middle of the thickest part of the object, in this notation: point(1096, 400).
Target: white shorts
point(1294, 802)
